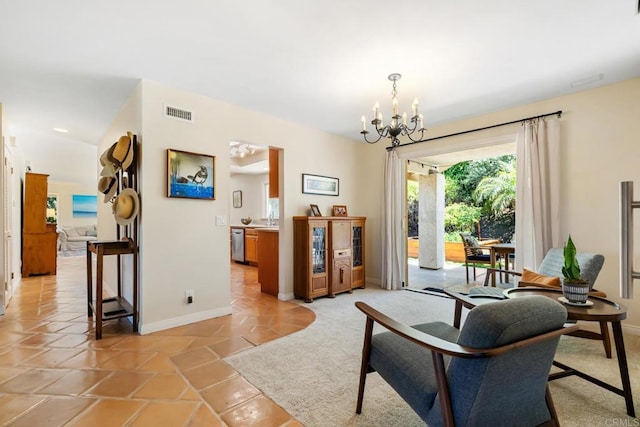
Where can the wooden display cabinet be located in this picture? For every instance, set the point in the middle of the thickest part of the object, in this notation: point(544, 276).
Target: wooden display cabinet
point(328, 255)
point(39, 239)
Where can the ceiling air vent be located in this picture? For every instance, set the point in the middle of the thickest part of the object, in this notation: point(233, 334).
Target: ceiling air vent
point(178, 113)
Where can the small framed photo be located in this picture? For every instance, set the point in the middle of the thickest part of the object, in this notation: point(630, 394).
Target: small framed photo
point(339, 210)
point(237, 199)
point(315, 211)
point(323, 185)
point(190, 175)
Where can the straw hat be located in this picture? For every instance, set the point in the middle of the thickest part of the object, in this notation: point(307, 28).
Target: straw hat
point(109, 168)
point(122, 153)
point(108, 186)
point(126, 206)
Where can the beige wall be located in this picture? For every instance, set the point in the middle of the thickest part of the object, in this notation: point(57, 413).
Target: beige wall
point(128, 119)
point(65, 192)
point(600, 148)
point(181, 247)
point(252, 187)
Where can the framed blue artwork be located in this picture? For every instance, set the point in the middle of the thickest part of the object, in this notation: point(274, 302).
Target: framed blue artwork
point(84, 206)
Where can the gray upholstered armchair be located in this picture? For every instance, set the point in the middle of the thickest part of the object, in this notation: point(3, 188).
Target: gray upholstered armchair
point(497, 375)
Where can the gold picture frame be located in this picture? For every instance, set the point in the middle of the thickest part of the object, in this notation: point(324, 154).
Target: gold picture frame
point(340, 210)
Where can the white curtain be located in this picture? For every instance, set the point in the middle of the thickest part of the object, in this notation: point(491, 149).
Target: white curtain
point(393, 237)
point(537, 191)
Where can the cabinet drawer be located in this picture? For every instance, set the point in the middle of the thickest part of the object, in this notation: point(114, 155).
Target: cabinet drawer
point(342, 253)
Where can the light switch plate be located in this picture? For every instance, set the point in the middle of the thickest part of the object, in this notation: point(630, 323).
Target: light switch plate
point(221, 220)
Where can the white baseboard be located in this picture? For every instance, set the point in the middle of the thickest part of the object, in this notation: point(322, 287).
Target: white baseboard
point(183, 320)
point(286, 297)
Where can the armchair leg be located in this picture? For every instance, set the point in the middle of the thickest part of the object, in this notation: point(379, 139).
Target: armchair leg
point(366, 350)
point(552, 410)
point(466, 266)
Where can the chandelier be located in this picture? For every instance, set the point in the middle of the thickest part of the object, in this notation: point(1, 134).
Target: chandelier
point(398, 125)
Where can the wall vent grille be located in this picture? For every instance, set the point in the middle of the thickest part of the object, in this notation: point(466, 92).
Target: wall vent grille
point(178, 113)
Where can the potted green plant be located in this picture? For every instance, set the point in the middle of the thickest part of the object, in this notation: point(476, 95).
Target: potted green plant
point(574, 287)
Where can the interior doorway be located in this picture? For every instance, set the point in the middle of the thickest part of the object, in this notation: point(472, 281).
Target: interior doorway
point(7, 223)
point(256, 190)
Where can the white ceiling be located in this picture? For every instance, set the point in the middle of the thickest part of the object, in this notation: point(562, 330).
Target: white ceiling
point(72, 63)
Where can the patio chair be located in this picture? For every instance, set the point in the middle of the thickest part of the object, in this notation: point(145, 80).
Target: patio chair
point(476, 252)
point(551, 268)
point(497, 375)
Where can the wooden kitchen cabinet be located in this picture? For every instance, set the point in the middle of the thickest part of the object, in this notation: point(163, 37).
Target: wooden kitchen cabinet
point(268, 276)
point(250, 245)
point(328, 255)
point(274, 173)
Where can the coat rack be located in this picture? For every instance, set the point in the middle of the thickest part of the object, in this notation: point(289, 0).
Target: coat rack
point(126, 244)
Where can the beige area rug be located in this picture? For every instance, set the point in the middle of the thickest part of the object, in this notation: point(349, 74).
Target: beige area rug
point(313, 374)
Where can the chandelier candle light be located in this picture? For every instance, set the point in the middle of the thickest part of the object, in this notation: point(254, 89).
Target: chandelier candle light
point(398, 125)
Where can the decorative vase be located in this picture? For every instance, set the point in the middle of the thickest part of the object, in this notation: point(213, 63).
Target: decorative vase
point(575, 292)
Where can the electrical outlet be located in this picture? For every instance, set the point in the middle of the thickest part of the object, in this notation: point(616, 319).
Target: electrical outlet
point(189, 296)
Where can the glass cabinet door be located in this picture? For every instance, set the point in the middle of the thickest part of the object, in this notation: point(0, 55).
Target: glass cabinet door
point(318, 249)
point(357, 245)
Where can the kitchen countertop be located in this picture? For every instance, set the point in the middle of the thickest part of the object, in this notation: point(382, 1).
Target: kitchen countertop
point(259, 226)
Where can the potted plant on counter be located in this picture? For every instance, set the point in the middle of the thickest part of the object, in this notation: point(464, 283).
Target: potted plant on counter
point(574, 287)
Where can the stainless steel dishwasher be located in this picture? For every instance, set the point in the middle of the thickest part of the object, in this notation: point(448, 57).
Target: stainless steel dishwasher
point(237, 244)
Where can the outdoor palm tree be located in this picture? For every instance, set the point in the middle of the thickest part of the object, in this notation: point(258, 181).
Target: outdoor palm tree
point(499, 191)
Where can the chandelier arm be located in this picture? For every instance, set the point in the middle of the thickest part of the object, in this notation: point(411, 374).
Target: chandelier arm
point(383, 131)
point(413, 129)
point(418, 139)
point(364, 134)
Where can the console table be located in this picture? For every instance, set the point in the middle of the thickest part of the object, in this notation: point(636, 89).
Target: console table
point(112, 307)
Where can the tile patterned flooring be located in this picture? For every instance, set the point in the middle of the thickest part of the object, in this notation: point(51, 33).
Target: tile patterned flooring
point(54, 373)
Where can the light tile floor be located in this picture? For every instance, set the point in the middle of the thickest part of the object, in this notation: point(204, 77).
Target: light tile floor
point(53, 372)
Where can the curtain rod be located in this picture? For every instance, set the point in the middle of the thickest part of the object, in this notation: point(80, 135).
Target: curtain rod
point(557, 113)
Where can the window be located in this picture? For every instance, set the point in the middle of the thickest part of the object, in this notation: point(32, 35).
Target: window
point(271, 206)
point(52, 208)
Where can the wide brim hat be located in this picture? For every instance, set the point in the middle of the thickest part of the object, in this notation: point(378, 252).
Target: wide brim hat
point(126, 206)
point(109, 168)
point(108, 185)
point(122, 153)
